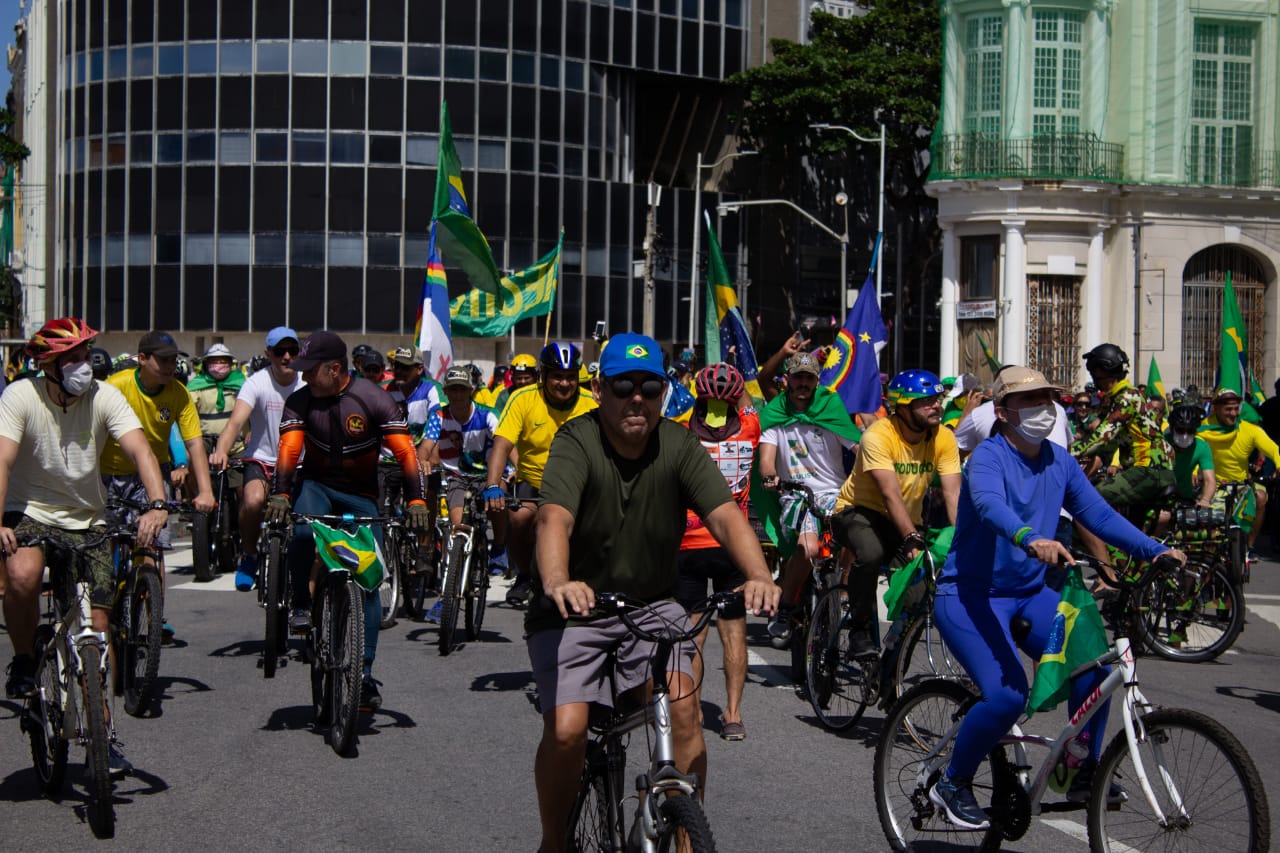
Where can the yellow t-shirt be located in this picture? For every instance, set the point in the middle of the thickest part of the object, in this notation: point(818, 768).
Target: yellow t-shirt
point(883, 449)
point(1231, 449)
point(530, 424)
point(158, 414)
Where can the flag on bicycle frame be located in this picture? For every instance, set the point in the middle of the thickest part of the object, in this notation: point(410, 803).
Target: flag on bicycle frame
point(356, 552)
point(852, 368)
point(726, 337)
point(1076, 637)
point(431, 331)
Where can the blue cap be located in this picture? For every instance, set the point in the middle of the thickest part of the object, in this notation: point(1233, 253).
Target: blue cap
point(279, 333)
point(629, 352)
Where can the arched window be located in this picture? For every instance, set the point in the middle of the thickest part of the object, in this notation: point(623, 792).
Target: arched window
point(1203, 283)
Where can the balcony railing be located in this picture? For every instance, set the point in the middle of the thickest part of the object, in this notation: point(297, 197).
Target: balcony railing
point(1233, 168)
point(1059, 156)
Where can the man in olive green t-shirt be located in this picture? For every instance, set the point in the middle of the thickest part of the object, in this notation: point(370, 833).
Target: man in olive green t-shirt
point(613, 500)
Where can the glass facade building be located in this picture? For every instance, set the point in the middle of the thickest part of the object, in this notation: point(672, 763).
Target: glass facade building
point(231, 165)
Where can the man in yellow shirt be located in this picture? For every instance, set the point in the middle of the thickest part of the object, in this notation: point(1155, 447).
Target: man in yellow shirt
point(528, 424)
point(1232, 441)
point(880, 506)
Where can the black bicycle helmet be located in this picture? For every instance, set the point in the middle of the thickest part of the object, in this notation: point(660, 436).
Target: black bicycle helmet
point(559, 355)
point(100, 361)
point(1186, 418)
point(358, 354)
point(1106, 360)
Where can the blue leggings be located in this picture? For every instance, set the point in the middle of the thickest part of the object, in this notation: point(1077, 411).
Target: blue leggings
point(317, 499)
point(975, 627)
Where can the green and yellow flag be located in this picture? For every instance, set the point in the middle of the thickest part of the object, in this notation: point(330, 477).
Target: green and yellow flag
point(1155, 385)
point(1076, 637)
point(1233, 365)
point(992, 361)
point(529, 293)
point(459, 237)
point(356, 552)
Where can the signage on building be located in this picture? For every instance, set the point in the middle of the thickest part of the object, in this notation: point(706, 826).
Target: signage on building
point(984, 309)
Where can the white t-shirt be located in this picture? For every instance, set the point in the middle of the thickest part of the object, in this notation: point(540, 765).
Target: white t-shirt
point(265, 398)
point(55, 477)
point(809, 454)
point(976, 428)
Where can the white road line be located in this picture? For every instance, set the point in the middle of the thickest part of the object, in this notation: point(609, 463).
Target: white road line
point(1269, 612)
point(1251, 596)
point(1076, 830)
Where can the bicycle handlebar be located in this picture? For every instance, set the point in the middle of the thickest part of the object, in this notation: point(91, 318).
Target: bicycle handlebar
point(622, 605)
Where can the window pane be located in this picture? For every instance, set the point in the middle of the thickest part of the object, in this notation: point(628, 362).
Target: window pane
point(237, 57)
point(346, 251)
point(202, 59)
point(459, 62)
point(200, 146)
point(273, 56)
point(493, 65)
point(524, 68)
point(573, 75)
point(307, 249)
point(199, 249)
point(115, 251)
point(346, 148)
point(493, 155)
point(233, 249)
point(139, 250)
point(168, 248)
point(308, 147)
point(347, 58)
point(310, 57)
point(140, 149)
point(424, 61)
point(144, 61)
point(550, 71)
point(95, 66)
point(117, 63)
point(269, 249)
point(384, 251)
point(415, 253)
point(172, 59)
point(421, 150)
point(273, 147)
point(386, 59)
point(236, 148)
point(384, 149)
point(169, 148)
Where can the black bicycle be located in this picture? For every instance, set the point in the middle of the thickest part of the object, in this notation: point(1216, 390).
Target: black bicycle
point(215, 536)
point(274, 592)
point(464, 582)
point(137, 619)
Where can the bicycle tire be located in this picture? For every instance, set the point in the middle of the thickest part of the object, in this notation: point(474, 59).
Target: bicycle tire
point(594, 821)
point(275, 637)
point(229, 548)
point(922, 655)
point(836, 686)
point(1182, 619)
point(683, 813)
point(450, 592)
point(43, 720)
point(1222, 793)
point(202, 559)
point(477, 595)
point(413, 584)
point(102, 819)
point(318, 654)
point(914, 726)
point(347, 651)
point(389, 590)
point(140, 663)
point(1237, 565)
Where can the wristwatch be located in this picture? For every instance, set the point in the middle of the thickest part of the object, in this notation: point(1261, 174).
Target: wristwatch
point(158, 505)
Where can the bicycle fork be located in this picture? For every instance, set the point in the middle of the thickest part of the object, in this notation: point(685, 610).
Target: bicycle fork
point(662, 777)
point(1136, 734)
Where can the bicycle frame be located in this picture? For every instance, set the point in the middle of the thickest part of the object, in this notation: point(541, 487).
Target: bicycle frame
point(73, 630)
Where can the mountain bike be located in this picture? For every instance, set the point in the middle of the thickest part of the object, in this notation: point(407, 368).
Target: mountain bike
point(666, 800)
point(824, 576)
point(72, 667)
point(464, 580)
point(215, 536)
point(1191, 784)
point(274, 592)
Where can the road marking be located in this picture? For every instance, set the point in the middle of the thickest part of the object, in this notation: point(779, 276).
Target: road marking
point(771, 675)
point(1269, 612)
point(1251, 596)
point(1076, 830)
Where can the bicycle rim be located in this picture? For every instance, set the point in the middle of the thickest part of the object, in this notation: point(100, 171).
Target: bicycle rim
point(1191, 614)
point(318, 652)
point(914, 727)
point(455, 567)
point(922, 655)
point(590, 820)
point(836, 684)
point(276, 614)
point(1220, 803)
point(229, 546)
point(413, 584)
point(347, 650)
point(102, 818)
point(44, 718)
point(477, 596)
point(141, 663)
point(683, 816)
point(202, 558)
point(389, 590)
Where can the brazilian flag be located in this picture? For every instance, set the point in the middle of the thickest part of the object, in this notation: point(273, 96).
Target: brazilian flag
point(356, 552)
point(1077, 637)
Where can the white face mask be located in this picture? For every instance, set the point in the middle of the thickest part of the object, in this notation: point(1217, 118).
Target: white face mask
point(77, 377)
point(1036, 422)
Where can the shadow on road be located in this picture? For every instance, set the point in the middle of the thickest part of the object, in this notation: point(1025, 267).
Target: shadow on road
point(370, 723)
point(164, 690)
point(294, 718)
point(239, 649)
point(502, 682)
point(1268, 699)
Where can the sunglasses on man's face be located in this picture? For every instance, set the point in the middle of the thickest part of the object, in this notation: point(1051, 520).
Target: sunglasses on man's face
point(281, 352)
point(624, 388)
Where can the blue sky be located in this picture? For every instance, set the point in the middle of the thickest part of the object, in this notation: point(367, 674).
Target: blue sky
point(9, 14)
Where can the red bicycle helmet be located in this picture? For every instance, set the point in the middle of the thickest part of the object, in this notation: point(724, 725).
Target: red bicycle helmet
point(719, 382)
point(58, 336)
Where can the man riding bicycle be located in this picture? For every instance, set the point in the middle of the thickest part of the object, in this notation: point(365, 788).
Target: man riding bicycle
point(1233, 442)
point(880, 506)
point(1191, 454)
point(613, 498)
point(51, 431)
point(1014, 487)
point(340, 421)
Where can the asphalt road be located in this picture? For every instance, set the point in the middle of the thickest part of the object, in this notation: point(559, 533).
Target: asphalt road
point(229, 761)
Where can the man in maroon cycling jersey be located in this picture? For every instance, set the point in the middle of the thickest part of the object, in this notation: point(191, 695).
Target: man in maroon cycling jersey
point(340, 421)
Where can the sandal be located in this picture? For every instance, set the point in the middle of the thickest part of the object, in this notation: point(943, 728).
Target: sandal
point(732, 731)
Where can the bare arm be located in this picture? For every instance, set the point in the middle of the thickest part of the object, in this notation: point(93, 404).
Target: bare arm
point(768, 465)
point(498, 454)
point(135, 446)
point(199, 463)
point(951, 494)
point(1208, 485)
point(554, 525)
point(8, 455)
point(227, 438)
point(732, 530)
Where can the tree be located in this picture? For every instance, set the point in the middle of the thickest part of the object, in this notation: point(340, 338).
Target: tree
point(12, 152)
point(882, 66)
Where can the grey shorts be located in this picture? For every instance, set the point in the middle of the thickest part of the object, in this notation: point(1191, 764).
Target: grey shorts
point(456, 493)
point(571, 664)
point(129, 487)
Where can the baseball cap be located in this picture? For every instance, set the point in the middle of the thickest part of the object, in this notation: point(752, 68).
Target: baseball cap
point(1019, 380)
point(374, 358)
point(629, 351)
point(1224, 394)
point(802, 362)
point(280, 333)
point(457, 376)
point(159, 344)
point(218, 351)
point(320, 347)
point(407, 355)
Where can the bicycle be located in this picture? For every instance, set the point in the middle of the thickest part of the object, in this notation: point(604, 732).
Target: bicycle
point(71, 658)
point(215, 536)
point(465, 577)
point(1164, 751)
point(274, 592)
point(841, 686)
point(666, 799)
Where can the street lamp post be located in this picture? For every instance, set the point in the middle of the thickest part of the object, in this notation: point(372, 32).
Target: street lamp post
point(880, 218)
point(731, 206)
point(697, 233)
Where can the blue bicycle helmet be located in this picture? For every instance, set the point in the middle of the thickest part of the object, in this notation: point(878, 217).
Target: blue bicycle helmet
point(913, 385)
point(559, 355)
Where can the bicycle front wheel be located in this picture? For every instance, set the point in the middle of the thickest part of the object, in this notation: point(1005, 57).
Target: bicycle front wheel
point(922, 721)
point(684, 826)
point(1193, 613)
point(346, 638)
point(389, 589)
point(140, 662)
point(451, 592)
point(1207, 788)
point(275, 639)
point(477, 595)
point(229, 548)
point(921, 656)
point(594, 821)
point(102, 818)
point(43, 721)
point(836, 683)
point(202, 558)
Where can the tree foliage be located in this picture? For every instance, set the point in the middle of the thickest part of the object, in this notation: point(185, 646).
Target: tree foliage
point(12, 151)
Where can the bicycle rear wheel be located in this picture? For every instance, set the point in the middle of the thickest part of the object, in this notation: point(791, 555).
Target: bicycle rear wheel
point(836, 684)
point(202, 560)
point(922, 655)
point(140, 662)
point(451, 593)
point(683, 814)
point(1209, 792)
point(477, 595)
point(594, 821)
point(389, 589)
point(275, 639)
point(43, 720)
point(1193, 613)
point(228, 546)
point(102, 818)
point(918, 722)
point(346, 639)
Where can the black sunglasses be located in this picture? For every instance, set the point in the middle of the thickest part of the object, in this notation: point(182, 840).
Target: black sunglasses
point(623, 388)
point(281, 352)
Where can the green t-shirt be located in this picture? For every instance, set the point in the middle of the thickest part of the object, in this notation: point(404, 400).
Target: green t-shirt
point(1185, 463)
point(629, 515)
